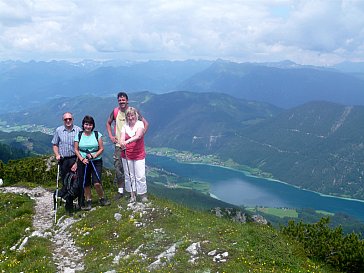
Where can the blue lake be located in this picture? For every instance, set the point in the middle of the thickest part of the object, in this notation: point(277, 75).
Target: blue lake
point(239, 188)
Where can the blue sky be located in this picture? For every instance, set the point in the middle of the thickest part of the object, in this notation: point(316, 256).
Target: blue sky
point(307, 32)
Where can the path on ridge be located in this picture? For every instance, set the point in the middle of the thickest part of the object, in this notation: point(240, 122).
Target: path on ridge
point(66, 255)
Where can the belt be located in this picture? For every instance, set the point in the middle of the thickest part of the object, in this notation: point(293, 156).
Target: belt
point(69, 157)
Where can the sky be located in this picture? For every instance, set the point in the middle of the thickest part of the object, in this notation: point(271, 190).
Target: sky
point(314, 32)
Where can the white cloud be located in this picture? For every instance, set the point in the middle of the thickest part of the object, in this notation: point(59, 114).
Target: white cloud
point(311, 32)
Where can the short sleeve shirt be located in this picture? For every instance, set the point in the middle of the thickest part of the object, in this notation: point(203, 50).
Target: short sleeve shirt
point(120, 122)
point(88, 143)
point(64, 139)
point(134, 150)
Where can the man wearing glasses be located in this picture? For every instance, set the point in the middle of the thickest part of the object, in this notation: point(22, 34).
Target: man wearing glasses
point(63, 145)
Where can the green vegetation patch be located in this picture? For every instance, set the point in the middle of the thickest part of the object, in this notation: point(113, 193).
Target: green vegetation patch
point(16, 213)
point(344, 252)
point(325, 212)
point(159, 237)
point(15, 216)
point(279, 212)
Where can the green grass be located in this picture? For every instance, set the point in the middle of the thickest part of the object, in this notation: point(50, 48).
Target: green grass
point(250, 247)
point(200, 186)
point(15, 223)
point(279, 212)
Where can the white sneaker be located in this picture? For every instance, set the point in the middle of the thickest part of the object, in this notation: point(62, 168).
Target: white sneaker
point(144, 198)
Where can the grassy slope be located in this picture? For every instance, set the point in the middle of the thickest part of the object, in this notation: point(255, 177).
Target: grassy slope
point(141, 235)
point(133, 243)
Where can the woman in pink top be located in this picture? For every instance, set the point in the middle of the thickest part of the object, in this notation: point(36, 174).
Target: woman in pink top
point(133, 155)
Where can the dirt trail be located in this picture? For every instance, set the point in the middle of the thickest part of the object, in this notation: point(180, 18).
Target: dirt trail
point(66, 255)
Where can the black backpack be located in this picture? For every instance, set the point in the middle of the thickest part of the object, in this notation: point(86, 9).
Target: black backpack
point(70, 190)
point(71, 186)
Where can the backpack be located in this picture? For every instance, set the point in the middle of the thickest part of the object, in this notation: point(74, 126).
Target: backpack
point(71, 185)
point(70, 190)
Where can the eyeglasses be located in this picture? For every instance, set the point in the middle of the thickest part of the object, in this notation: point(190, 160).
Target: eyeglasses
point(67, 119)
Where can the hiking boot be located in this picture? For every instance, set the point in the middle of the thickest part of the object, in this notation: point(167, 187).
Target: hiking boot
point(118, 196)
point(87, 206)
point(104, 202)
point(144, 198)
point(69, 206)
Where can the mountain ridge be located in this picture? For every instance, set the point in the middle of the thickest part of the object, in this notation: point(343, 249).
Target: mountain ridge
point(284, 84)
point(280, 85)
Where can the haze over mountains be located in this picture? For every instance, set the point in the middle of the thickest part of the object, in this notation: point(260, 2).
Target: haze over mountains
point(283, 84)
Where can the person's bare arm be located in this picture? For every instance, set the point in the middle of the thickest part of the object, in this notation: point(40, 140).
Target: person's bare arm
point(138, 135)
point(109, 129)
point(101, 148)
point(77, 151)
point(146, 124)
point(122, 140)
point(56, 152)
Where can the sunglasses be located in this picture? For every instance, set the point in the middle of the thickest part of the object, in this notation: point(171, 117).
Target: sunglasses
point(67, 119)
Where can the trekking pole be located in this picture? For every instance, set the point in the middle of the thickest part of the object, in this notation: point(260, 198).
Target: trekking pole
point(93, 166)
point(132, 195)
point(55, 213)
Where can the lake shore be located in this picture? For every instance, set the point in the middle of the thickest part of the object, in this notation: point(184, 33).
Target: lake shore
point(211, 160)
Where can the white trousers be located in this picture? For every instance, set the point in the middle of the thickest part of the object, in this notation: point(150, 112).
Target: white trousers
point(135, 179)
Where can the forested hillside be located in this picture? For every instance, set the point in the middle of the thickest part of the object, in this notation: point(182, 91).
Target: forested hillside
point(15, 145)
point(318, 146)
point(8, 152)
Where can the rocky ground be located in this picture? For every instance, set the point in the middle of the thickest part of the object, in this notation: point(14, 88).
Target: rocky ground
point(66, 255)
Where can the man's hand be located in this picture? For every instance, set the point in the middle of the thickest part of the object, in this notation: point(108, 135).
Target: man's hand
point(114, 139)
point(74, 167)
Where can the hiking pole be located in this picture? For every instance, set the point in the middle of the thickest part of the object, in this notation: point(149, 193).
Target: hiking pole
point(93, 165)
point(55, 213)
point(132, 195)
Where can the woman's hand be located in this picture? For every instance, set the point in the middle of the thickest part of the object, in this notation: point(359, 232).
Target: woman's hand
point(85, 161)
point(123, 144)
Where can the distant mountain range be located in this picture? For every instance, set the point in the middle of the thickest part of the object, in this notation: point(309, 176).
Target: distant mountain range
point(317, 146)
point(284, 84)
